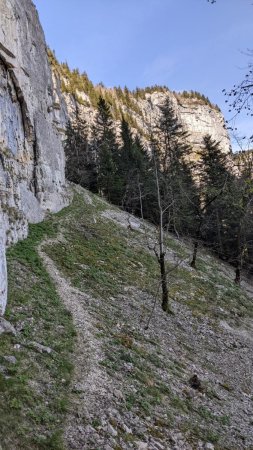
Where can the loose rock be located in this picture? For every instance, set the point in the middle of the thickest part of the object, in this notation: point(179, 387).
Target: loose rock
point(142, 445)
point(10, 359)
point(209, 446)
point(6, 327)
point(40, 348)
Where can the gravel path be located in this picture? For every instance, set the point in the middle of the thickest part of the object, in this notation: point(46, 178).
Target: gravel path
point(89, 380)
point(112, 406)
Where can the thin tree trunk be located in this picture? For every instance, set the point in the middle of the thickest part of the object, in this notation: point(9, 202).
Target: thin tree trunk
point(219, 233)
point(165, 293)
point(164, 283)
point(238, 269)
point(238, 274)
point(196, 245)
point(194, 256)
point(161, 258)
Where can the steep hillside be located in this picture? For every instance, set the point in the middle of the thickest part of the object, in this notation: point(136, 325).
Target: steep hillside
point(34, 111)
point(140, 107)
point(121, 385)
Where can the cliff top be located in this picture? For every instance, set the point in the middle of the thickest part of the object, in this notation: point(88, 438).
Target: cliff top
point(74, 82)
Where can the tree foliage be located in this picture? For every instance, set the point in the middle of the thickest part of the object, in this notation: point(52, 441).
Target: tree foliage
point(209, 201)
point(80, 165)
point(240, 97)
point(106, 151)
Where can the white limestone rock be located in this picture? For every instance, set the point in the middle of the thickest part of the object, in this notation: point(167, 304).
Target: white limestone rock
point(32, 178)
point(6, 327)
point(197, 117)
point(3, 271)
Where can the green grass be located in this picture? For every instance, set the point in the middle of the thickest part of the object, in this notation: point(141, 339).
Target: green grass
point(33, 397)
point(200, 292)
point(100, 258)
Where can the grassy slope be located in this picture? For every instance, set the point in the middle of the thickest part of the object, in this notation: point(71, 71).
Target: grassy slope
point(33, 397)
point(113, 264)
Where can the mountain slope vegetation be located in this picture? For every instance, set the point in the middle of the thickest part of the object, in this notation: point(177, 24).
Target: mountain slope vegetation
point(98, 364)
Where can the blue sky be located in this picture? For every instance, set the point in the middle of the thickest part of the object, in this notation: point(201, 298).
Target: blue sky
point(184, 44)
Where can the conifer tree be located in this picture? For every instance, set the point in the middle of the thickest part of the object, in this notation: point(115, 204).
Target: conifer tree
point(241, 250)
point(172, 154)
point(133, 168)
point(216, 186)
point(80, 165)
point(106, 149)
point(172, 183)
point(216, 181)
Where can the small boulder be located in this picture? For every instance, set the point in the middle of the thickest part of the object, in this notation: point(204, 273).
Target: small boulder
point(10, 359)
point(142, 445)
point(134, 225)
point(6, 327)
point(126, 429)
point(209, 446)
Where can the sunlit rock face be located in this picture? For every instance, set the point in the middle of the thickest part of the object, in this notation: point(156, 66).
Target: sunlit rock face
point(201, 120)
point(197, 117)
point(3, 271)
point(33, 116)
point(31, 155)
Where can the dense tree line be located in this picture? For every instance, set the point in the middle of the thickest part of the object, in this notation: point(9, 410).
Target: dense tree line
point(206, 200)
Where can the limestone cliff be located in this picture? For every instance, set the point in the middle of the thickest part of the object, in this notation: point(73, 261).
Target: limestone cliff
point(34, 109)
point(31, 154)
point(140, 107)
point(243, 161)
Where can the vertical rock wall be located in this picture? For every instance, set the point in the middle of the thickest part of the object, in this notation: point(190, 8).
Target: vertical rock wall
point(31, 155)
point(33, 115)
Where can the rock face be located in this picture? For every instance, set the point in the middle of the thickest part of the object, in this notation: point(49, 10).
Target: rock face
point(32, 177)
point(198, 117)
point(34, 112)
point(200, 120)
point(3, 269)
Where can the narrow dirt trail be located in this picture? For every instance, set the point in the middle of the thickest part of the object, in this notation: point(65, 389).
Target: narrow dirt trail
point(130, 396)
point(87, 388)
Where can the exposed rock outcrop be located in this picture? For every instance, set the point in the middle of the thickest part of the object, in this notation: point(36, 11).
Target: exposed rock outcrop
point(34, 110)
point(201, 119)
point(196, 113)
point(31, 154)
